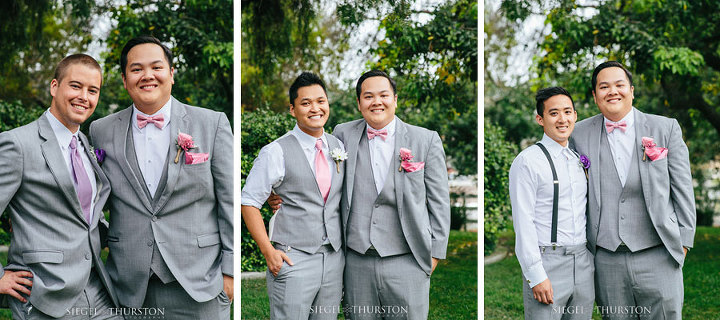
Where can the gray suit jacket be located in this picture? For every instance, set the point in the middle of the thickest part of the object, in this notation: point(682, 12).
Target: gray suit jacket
point(50, 236)
point(192, 220)
point(666, 183)
point(423, 198)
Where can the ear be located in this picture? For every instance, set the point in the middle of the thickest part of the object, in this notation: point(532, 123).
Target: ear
point(632, 92)
point(595, 97)
point(53, 87)
point(539, 120)
point(124, 81)
point(358, 105)
point(172, 75)
point(292, 110)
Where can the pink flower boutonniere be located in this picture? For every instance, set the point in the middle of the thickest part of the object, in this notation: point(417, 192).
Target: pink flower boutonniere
point(652, 151)
point(185, 142)
point(405, 157)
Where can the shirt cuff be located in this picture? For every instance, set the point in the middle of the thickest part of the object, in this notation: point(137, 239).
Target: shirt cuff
point(535, 275)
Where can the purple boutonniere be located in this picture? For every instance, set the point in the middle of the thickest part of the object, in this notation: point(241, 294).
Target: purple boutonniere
point(99, 155)
point(585, 164)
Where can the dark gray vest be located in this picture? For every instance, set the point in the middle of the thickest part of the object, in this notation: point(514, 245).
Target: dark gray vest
point(623, 213)
point(305, 221)
point(374, 219)
point(157, 264)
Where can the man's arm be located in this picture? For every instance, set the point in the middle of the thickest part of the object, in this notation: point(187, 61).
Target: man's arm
point(255, 224)
point(221, 167)
point(438, 197)
point(523, 188)
point(11, 170)
point(681, 187)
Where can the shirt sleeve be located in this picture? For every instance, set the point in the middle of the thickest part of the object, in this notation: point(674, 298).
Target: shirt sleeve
point(267, 173)
point(523, 190)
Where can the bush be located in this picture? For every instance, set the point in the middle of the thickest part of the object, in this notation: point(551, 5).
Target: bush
point(259, 128)
point(499, 155)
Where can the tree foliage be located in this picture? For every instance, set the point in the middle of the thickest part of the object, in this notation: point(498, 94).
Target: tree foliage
point(499, 155)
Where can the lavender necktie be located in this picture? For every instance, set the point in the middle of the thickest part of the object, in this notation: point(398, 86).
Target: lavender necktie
point(82, 182)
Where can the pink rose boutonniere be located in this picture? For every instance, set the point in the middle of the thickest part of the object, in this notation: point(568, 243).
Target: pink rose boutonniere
point(185, 142)
point(652, 151)
point(405, 157)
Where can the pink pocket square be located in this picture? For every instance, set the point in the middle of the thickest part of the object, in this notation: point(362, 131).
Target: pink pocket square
point(195, 158)
point(652, 150)
point(412, 166)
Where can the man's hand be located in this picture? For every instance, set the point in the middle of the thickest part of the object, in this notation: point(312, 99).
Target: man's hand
point(685, 251)
point(434, 264)
point(228, 286)
point(274, 201)
point(275, 260)
point(13, 282)
point(543, 292)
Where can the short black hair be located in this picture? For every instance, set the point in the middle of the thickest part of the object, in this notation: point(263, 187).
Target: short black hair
point(546, 93)
point(373, 73)
point(609, 64)
point(305, 79)
point(142, 40)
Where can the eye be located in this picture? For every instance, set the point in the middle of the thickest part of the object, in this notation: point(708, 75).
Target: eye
point(305, 103)
point(74, 86)
point(134, 69)
point(553, 113)
point(321, 101)
point(157, 68)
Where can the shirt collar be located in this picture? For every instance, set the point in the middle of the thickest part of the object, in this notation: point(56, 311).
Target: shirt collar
point(62, 133)
point(554, 148)
point(165, 111)
point(390, 127)
point(307, 141)
point(629, 119)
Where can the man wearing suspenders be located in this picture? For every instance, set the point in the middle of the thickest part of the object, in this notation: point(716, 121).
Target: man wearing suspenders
point(548, 188)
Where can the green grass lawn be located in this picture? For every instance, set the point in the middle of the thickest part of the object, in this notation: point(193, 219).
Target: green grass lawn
point(453, 286)
point(503, 280)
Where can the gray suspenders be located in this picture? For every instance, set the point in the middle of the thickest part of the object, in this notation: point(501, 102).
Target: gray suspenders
point(556, 191)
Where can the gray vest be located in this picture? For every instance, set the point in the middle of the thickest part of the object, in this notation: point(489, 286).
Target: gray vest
point(374, 219)
point(623, 214)
point(305, 221)
point(157, 264)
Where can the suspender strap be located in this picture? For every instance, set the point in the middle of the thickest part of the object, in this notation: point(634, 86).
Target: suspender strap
point(556, 191)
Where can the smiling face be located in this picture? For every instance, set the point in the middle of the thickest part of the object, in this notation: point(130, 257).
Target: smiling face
point(377, 102)
point(311, 109)
point(613, 93)
point(148, 77)
point(558, 120)
point(76, 95)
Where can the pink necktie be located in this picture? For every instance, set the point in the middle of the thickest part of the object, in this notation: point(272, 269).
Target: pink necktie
point(82, 181)
point(610, 126)
point(322, 171)
point(372, 133)
point(158, 120)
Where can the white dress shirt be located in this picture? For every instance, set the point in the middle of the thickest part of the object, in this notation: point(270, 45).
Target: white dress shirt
point(151, 146)
point(531, 196)
point(64, 136)
point(268, 169)
point(381, 153)
point(622, 145)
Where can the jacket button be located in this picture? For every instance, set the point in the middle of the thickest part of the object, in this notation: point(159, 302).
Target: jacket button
point(149, 243)
point(154, 218)
point(377, 205)
point(87, 256)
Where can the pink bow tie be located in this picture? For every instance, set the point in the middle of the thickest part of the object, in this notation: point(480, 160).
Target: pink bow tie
point(372, 133)
point(610, 126)
point(158, 120)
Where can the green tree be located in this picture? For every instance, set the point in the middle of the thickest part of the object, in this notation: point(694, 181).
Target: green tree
point(499, 155)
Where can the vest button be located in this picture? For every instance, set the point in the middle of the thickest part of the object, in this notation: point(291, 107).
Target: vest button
point(154, 218)
point(622, 217)
point(87, 256)
point(149, 243)
point(622, 200)
point(377, 205)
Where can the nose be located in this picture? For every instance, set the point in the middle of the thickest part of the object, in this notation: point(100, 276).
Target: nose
point(147, 75)
point(83, 95)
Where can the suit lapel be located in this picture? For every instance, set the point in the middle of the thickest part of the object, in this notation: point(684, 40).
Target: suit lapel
point(594, 153)
point(101, 180)
point(642, 129)
point(335, 176)
point(55, 161)
point(179, 122)
point(352, 145)
point(400, 140)
point(121, 132)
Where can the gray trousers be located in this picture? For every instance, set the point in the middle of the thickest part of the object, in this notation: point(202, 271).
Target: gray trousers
point(169, 301)
point(646, 284)
point(393, 287)
point(570, 270)
point(309, 289)
point(92, 303)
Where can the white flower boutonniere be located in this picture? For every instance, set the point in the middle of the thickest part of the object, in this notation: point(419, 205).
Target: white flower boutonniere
point(338, 155)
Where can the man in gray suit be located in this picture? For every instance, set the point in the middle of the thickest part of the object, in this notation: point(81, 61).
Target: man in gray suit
point(171, 210)
point(54, 190)
point(395, 207)
point(641, 218)
point(305, 168)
